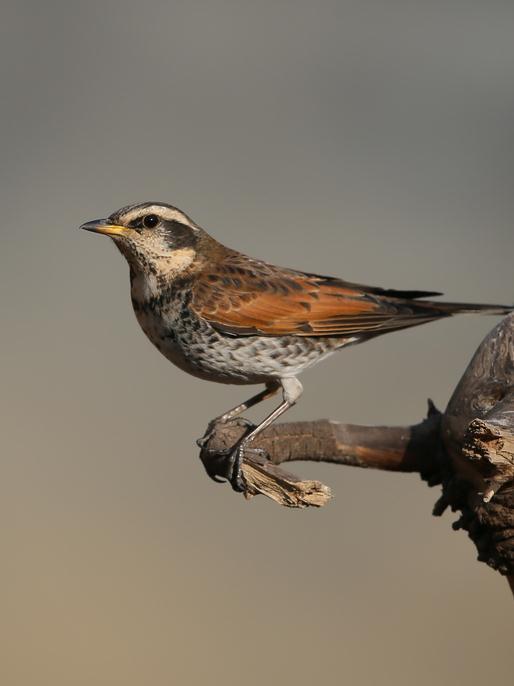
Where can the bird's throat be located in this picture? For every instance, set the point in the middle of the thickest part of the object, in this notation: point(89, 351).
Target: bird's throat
point(158, 274)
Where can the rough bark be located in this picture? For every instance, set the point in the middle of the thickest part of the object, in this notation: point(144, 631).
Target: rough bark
point(469, 449)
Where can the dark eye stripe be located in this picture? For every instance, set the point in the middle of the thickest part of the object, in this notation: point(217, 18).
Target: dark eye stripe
point(178, 235)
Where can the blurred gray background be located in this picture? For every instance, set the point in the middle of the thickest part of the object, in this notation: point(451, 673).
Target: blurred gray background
point(370, 140)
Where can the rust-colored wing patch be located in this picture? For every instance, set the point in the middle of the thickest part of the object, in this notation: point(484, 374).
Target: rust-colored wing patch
point(240, 296)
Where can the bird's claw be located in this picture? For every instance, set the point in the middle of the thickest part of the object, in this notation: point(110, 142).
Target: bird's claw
point(209, 433)
point(235, 462)
point(234, 471)
point(227, 462)
point(214, 477)
point(211, 461)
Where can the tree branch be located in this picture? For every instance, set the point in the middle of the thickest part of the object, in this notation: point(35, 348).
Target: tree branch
point(399, 449)
point(469, 449)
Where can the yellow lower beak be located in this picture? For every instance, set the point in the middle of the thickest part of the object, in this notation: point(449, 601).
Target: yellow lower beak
point(103, 226)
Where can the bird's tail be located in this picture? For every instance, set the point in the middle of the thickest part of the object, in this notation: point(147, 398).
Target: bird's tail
point(450, 309)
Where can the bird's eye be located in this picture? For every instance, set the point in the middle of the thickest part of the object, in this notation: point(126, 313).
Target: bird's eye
point(150, 221)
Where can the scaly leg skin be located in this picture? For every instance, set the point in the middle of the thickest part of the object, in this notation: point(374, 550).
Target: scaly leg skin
point(268, 392)
point(291, 391)
point(271, 389)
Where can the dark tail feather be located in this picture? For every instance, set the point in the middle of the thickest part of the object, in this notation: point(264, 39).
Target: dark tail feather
point(449, 309)
point(423, 312)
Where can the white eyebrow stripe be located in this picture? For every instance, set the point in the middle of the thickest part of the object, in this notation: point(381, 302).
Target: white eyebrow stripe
point(167, 213)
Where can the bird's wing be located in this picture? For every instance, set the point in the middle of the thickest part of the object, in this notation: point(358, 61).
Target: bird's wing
point(242, 297)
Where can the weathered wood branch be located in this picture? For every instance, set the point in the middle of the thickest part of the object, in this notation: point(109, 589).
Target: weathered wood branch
point(397, 449)
point(469, 449)
point(400, 449)
point(491, 440)
point(477, 430)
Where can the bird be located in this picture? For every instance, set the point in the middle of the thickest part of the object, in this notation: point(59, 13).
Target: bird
point(225, 317)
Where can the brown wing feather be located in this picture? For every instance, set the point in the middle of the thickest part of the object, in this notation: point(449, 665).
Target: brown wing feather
point(241, 296)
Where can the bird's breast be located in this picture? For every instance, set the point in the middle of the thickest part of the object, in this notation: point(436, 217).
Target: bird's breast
point(195, 346)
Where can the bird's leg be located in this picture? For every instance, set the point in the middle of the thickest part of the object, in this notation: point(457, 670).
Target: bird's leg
point(291, 391)
point(271, 388)
point(268, 392)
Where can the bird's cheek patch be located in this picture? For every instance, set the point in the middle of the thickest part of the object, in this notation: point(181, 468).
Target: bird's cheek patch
point(176, 262)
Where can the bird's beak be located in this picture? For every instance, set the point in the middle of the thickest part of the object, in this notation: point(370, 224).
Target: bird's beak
point(105, 227)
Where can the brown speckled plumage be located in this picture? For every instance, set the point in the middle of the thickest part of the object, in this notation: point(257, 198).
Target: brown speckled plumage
point(226, 317)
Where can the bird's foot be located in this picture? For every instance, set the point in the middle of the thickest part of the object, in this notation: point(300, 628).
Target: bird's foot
point(228, 463)
point(234, 468)
point(225, 463)
point(235, 463)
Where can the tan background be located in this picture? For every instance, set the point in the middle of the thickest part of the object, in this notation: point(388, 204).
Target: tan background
point(369, 140)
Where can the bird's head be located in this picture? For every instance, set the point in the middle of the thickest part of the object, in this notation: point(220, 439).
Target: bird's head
point(156, 238)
